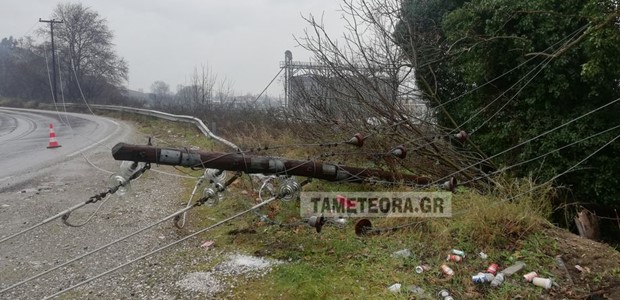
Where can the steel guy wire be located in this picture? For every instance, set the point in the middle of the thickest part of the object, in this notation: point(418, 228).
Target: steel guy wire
point(162, 248)
point(552, 178)
point(529, 140)
point(59, 215)
point(96, 250)
point(494, 79)
point(548, 60)
point(574, 33)
point(504, 200)
point(504, 169)
point(68, 211)
point(268, 85)
point(504, 74)
point(199, 182)
point(66, 221)
point(173, 215)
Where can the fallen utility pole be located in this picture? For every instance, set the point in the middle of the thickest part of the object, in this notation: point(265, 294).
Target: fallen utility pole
point(236, 161)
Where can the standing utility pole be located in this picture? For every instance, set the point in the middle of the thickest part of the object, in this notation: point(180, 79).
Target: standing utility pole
point(52, 22)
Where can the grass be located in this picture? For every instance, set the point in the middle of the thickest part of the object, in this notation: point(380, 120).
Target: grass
point(337, 264)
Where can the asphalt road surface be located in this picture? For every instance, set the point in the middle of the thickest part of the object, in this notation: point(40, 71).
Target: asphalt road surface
point(25, 135)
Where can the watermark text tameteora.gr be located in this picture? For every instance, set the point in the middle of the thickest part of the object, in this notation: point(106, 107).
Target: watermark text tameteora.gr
point(376, 204)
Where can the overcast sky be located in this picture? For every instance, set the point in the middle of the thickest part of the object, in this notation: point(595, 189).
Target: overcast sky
point(243, 41)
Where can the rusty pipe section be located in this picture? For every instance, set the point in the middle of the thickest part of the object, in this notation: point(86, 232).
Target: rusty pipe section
point(236, 161)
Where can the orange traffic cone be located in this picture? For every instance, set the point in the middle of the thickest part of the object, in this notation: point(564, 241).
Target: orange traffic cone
point(53, 142)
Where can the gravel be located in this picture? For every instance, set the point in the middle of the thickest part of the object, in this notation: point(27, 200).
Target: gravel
point(171, 274)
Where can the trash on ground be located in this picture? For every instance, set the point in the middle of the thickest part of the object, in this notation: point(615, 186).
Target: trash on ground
point(458, 252)
point(518, 266)
point(530, 276)
point(483, 256)
point(498, 280)
point(416, 290)
point(493, 269)
point(422, 268)
point(207, 244)
point(482, 278)
point(395, 288)
point(447, 270)
point(545, 283)
point(402, 253)
point(454, 258)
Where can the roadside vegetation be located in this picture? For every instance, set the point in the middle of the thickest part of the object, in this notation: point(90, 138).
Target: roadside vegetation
point(336, 263)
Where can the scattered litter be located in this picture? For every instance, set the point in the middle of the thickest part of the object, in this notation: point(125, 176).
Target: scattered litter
point(162, 237)
point(483, 278)
point(582, 269)
point(458, 252)
point(447, 270)
point(562, 265)
point(514, 268)
point(530, 276)
point(207, 244)
point(444, 295)
point(395, 288)
point(454, 258)
point(483, 256)
point(422, 268)
point(498, 280)
point(5, 205)
point(492, 269)
point(542, 282)
point(402, 253)
point(416, 290)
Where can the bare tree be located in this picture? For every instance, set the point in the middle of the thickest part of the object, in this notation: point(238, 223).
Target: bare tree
point(87, 52)
point(161, 92)
point(364, 81)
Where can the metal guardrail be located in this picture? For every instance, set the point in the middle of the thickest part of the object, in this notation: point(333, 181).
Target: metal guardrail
point(177, 118)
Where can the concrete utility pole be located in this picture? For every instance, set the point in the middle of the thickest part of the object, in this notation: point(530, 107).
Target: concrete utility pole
point(52, 22)
point(259, 164)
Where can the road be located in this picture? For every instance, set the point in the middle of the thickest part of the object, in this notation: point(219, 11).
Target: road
point(24, 136)
point(38, 183)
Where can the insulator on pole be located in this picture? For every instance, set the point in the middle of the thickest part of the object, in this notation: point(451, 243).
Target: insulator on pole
point(362, 227)
point(449, 185)
point(356, 140)
point(399, 152)
point(461, 136)
point(317, 222)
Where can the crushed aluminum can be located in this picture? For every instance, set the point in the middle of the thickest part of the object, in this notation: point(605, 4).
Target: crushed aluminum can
point(482, 278)
point(422, 268)
point(498, 280)
point(447, 270)
point(483, 256)
point(458, 252)
point(493, 269)
point(454, 258)
point(530, 276)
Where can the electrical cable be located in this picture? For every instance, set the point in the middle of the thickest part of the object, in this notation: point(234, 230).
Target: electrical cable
point(528, 140)
point(161, 248)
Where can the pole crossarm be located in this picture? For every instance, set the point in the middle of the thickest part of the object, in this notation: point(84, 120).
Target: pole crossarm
point(237, 161)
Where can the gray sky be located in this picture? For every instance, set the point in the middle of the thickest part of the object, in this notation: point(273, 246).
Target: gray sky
point(243, 41)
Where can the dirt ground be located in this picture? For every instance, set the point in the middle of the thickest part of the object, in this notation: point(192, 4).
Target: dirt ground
point(600, 278)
